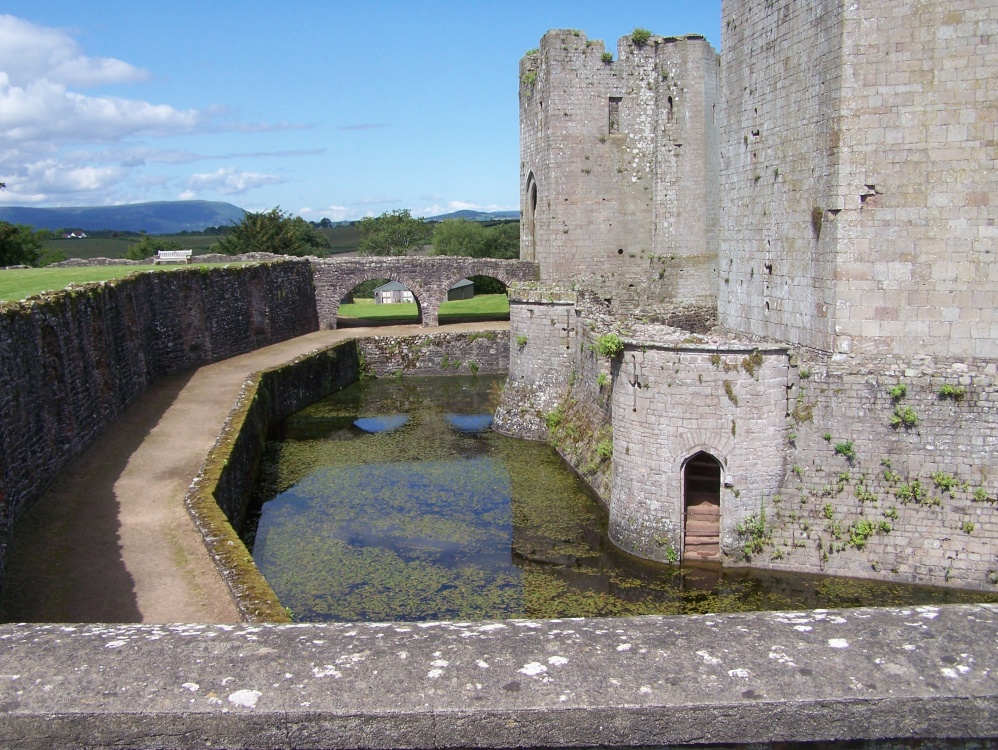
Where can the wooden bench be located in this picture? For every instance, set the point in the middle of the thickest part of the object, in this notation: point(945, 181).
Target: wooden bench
point(173, 256)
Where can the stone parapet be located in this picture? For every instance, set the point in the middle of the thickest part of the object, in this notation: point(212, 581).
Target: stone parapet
point(884, 676)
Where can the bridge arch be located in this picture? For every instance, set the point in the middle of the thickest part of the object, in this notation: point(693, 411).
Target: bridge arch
point(428, 278)
point(350, 281)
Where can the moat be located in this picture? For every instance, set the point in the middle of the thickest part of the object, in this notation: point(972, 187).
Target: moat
point(394, 500)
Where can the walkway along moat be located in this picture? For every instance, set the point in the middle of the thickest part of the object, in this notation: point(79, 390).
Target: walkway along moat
point(393, 500)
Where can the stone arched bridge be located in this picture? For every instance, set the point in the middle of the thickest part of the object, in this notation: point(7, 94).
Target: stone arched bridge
point(427, 278)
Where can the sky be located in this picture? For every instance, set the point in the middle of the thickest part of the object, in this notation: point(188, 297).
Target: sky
point(325, 109)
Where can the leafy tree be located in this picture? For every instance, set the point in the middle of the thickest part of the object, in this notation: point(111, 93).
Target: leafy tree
point(502, 241)
point(393, 233)
point(459, 237)
point(273, 231)
point(487, 285)
point(472, 239)
point(149, 246)
point(19, 245)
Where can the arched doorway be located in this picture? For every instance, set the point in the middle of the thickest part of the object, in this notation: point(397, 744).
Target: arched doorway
point(702, 508)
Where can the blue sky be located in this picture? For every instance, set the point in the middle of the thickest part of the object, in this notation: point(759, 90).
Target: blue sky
point(323, 108)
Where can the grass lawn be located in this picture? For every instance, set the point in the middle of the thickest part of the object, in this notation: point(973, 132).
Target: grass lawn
point(480, 307)
point(24, 282)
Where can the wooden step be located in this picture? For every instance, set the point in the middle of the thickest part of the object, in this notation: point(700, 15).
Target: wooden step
point(699, 541)
point(703, 514)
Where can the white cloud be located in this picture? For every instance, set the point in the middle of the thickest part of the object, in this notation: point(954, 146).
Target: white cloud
point(436, 209)
point(228, 181)
point(29, 52)
point(46, 111)
point(62, 146)
point(333, 213)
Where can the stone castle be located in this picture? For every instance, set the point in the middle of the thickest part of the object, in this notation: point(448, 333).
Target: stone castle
point(769, 281)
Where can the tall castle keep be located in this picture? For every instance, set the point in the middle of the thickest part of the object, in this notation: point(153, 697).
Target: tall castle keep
point(770, 279)
point(619, 163)
point(857, 196)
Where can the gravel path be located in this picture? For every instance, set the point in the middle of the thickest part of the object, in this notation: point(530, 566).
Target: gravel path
point(111, 540)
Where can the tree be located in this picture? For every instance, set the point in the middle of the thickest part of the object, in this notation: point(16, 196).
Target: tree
point(149, 246)
point(459, 237)
point(502, 241)
point(19, 245)
point(392, 233)
point(471, 239)
point(275, 232)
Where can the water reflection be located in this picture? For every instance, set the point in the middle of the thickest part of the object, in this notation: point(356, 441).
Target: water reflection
point(393, 500)
point(384, 423)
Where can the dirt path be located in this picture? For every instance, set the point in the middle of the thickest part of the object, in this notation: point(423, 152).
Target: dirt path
point(111, 540)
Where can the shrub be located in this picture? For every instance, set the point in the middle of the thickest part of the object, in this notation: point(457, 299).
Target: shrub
point(609, 345)
point(554, 418)
point(604, 448)
point(904, 416)
point(640, 37)
point(952, 392)
point(845, 449)
point(606, 57)
point(945, 482)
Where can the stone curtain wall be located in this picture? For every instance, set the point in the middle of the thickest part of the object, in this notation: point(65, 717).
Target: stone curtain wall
point(436, 354)
point(70, 362)
point(427, 278)
point(673, 401)
point(616, 165)
point(916, 501)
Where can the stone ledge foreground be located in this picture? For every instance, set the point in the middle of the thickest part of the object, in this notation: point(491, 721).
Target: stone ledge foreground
point(925, 672)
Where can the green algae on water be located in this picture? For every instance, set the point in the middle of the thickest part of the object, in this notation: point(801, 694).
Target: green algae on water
point(393, 500)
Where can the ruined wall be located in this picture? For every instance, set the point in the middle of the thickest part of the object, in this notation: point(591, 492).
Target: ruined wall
point(892, 472)
point(541, 356)
point(437, 354)
point(70, 362)
point(858, 188)
point(674, 397)
point(617, 165)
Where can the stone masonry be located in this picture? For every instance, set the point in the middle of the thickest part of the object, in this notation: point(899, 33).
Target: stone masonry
point(70, 362)
point(617, 161)
point(853, 146)
point(427, 278)
point(858, 196)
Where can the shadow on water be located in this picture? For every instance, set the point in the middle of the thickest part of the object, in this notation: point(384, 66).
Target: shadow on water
point(64, 563)
point(394, 500)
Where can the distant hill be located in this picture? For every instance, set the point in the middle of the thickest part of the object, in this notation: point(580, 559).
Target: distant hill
point(468, 215)
point(163, 217)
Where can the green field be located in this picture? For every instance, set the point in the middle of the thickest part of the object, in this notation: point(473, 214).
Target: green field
point(480, 307)
point(343, 239)
point(20, 283)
